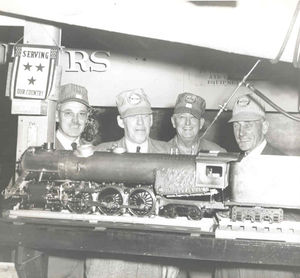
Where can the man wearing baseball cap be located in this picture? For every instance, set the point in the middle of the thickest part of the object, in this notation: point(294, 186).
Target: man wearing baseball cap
point(135, 117)
point(188, 121)
point(250, 126)
point(71, 115)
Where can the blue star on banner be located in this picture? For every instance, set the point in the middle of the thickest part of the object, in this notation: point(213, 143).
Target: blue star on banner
point(27, 66)
point(31, 80)
point(39, 67)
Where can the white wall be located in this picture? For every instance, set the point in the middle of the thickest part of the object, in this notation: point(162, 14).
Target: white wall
point(164, 78)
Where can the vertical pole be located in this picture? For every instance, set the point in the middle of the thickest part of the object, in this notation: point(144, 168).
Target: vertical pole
point(36, 130)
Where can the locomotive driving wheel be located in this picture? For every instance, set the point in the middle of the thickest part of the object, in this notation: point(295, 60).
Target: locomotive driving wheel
point(78, 203)
point(141, 202)
point(111, 201)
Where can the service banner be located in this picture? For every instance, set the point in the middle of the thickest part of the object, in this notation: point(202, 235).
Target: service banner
point(33, 71)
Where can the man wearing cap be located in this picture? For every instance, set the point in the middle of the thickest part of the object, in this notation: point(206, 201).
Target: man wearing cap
point(71, 115)
point(188, 121)
point(136, 119)
point(250, 126)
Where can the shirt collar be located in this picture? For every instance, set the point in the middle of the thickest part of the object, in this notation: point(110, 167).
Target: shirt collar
point(181, 149)
point(65, 141)
point(258, 150)
point(132, 147)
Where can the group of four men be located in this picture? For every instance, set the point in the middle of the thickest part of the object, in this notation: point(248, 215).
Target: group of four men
point(136, 118)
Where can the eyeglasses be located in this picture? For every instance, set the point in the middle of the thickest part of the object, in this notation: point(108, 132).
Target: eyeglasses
point(68, 114)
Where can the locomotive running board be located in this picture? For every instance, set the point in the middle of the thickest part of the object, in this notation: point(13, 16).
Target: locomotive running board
point(179, 224)
point(285, 231)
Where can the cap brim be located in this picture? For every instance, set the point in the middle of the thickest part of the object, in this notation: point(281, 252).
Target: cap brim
point(245, 117)
point(195, 113)
point(136, 111)
point(77, 100)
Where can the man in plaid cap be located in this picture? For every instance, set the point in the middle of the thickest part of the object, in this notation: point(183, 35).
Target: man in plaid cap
point(188, 121)
point(71, 115)
point(135, 117)
point(250, 126)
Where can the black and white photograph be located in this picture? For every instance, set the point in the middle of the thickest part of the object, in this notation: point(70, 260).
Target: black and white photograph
point(150, 139)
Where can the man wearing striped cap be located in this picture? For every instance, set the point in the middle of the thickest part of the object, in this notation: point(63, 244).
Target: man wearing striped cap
point(71, 115)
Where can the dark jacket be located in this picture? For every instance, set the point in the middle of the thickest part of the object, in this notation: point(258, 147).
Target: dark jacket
point(58, 145)
point(154, 146)
point(270, 150)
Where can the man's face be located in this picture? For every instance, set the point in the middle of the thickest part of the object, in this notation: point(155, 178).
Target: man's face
point(187, 126)
point(136, 128)
point(249, 134)
point(72, 117)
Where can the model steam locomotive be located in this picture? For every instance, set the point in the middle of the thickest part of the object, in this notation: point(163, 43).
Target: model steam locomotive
point(149, 184)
